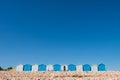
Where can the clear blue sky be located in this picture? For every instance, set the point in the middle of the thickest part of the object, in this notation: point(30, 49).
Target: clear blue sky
point(60, 31)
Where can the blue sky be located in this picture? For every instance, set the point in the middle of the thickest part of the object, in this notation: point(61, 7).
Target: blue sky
point(60, 31)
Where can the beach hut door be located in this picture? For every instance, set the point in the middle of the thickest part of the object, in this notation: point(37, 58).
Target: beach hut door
point(64, 68)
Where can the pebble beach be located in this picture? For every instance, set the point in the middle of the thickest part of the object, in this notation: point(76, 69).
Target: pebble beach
point(63, 75)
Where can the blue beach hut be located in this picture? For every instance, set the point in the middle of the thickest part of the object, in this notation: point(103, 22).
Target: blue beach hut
point(86, 67)
point(101, 67)
point(27, 67)
point(57, 67)
point(72, 67)
point(42, 67)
